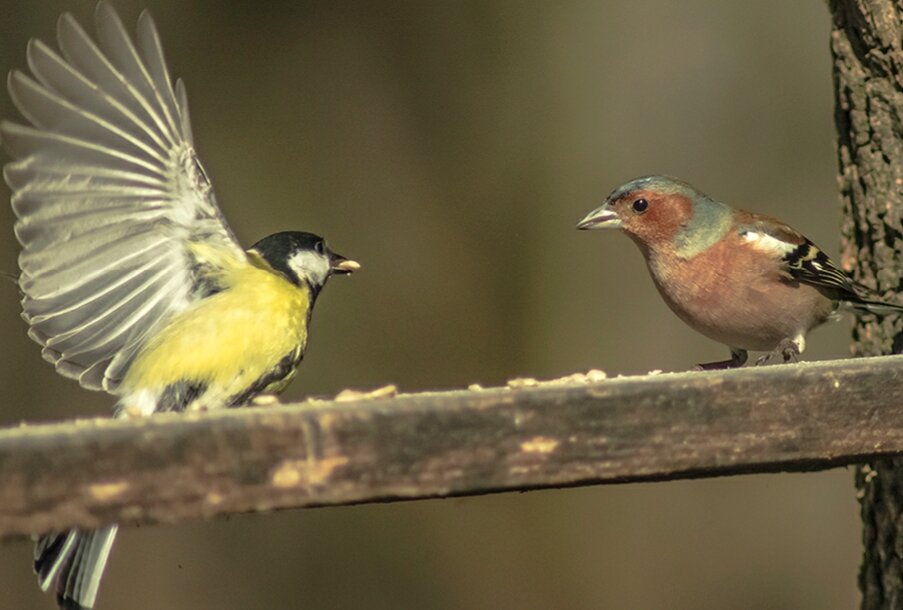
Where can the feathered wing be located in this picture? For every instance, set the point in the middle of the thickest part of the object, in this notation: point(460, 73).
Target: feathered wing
point(109, 197)
point(803, 261)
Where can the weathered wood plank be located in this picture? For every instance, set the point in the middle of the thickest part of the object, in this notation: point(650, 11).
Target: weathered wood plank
point(174, 467)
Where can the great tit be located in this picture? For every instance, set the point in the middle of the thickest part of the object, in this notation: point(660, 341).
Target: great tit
point(132, 281)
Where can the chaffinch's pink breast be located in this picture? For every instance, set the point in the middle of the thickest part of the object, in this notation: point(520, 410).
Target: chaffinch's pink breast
point(734, 293)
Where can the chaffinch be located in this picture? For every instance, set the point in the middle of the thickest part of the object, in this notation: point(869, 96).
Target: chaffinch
point(743, 279)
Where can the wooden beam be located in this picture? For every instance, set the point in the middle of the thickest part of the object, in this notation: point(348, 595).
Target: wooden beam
point(173, 467)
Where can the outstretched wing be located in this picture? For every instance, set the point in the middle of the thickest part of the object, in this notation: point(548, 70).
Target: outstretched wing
point(112, 204)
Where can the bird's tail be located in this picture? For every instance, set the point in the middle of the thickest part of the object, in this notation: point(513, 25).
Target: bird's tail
point(874, 306)
point(73, 563)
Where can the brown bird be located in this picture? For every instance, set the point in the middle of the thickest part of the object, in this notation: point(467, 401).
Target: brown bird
point(743, 279)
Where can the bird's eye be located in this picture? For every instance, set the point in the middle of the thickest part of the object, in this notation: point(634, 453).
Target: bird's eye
point(320, 247)
point(639, 206)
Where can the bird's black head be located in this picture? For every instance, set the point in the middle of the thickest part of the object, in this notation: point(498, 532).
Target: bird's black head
point(302, 257)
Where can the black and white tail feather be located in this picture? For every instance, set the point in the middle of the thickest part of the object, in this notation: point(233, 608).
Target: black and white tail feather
point(72, 563)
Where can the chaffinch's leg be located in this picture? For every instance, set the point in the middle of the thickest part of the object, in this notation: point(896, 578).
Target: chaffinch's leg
point(738, 358)
point(788, 349)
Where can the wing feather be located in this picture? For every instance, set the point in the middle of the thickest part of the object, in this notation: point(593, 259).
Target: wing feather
point(151, 51)
point(97, 290)
point(109, 195)
point(799, 259)
point(25, 174)
point(182, 98)
point(86, 57)
point(48, 111)
point(48, 148)
point(157, 97)
point(55, 74)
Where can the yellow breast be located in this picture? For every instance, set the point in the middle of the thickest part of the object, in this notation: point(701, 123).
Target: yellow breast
point(229, 340)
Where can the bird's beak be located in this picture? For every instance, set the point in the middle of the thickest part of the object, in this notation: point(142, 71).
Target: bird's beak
point(602, 217)
point(341, 265)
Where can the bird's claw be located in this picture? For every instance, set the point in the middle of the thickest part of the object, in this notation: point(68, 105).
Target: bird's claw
point(716, 366)
point(787, 349)
point(737, 359)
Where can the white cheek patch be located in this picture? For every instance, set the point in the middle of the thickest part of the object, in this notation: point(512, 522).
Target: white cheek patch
point(767, 243)
point(310, 266)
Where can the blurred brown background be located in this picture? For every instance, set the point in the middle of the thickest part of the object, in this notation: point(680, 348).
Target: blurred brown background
point(451, 147)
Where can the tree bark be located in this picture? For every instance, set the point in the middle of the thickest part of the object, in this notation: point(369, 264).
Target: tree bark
point(868, 79)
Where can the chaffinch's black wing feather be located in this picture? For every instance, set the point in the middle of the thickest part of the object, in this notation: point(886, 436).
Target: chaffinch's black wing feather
point(808, 264)
point(801, 260)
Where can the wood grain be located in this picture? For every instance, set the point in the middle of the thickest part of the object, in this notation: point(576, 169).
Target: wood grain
point(174, 467)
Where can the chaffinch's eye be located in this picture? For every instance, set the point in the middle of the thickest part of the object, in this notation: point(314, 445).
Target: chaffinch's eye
point(639, 206)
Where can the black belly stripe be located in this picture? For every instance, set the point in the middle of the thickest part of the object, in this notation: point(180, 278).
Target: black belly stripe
point(283, 369)
point(177, 396)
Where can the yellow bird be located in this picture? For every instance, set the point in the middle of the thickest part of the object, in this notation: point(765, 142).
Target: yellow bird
point(132, 281)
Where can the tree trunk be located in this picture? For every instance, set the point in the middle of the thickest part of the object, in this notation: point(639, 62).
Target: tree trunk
point(868, 80)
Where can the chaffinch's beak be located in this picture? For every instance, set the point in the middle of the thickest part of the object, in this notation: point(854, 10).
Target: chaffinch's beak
point(602, 217)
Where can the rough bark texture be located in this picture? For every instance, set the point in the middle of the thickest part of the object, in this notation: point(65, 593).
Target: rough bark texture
point(173, 467)
point(868, 77)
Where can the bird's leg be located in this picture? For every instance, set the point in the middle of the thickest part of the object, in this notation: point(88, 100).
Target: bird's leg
point(738, 358)
point(788, 349)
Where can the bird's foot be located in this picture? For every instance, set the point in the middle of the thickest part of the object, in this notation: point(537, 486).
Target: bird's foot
point(738, 358)
point(787, 349)
point(717, 366)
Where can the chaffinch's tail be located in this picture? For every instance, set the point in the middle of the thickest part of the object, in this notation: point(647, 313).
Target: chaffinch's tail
point(870, 303)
